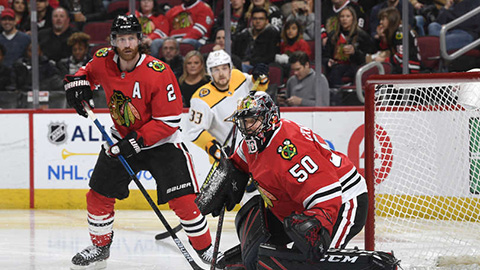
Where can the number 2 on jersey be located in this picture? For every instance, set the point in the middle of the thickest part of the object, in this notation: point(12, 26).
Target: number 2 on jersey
point(171, 93)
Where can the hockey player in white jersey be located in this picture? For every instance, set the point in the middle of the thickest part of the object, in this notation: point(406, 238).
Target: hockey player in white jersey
point(217, 100)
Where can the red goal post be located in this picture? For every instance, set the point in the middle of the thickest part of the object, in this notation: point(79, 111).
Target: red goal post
point(422, 165)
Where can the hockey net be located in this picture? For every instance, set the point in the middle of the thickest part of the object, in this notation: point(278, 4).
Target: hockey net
point(422, 164)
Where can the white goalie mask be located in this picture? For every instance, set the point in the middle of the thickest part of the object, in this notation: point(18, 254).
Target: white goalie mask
point(218, 58)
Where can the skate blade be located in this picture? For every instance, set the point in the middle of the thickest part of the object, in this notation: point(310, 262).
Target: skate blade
point(93, 266)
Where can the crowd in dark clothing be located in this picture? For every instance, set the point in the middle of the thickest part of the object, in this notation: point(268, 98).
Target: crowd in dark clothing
point(262, 31)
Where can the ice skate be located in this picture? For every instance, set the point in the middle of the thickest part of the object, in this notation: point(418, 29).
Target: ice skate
point(206, 255)
point(91, 256)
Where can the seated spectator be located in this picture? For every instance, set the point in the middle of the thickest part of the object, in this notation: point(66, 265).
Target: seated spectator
point(390, 42)
point(275, 17)
point(154, 23)
point(171, 55)
point(237, 19)
point(83, 11)
point(330, 10)
point(346, 48)
point(193, 77)
point(16, 42)
point(258, 43)
point(462, 34)
point(4, 70)
point(22, 15)
point(49, 76)
point(53, 41)
point(302, 11)
point(375, 19)
point(79, 44)
point(292, 40)
point(301, 87)
point(44, 15)
point(220, 45)
point(190, 22)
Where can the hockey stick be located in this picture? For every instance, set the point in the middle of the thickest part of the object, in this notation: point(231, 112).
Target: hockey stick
point(127, 167)
point(166, 234)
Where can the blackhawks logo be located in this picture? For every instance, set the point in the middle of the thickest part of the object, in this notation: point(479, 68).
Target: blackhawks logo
point(157, 66)
point(267, 197)
point(103, 52)
point(288, 150)
point(122, 110)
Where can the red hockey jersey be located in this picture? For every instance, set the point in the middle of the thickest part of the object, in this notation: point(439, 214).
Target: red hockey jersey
point(146, 100)
point(160, 26)
point(298, 171)
point(194, 22)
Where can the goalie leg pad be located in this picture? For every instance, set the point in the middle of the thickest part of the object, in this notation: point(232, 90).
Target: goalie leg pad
point(280, 258)
point(252, 230)
point(224, 185)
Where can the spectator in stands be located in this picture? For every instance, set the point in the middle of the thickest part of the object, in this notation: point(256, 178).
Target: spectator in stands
point(154, 23)
point(190, 22)
point(237, 20)
point(79, 44)
point(375, 19)
point(330, 10)
point(275, 17)
point(292, 39)
point(4, 70)
point(302, 11)
point(49, 76)
point(301, 87)
point(22, 15)
point(171, 56)
point(16, 42)
point(220, 45)
point(44, 15)
point(53, 41)
point(193, 77)
point(391, 39)
point(346, 48)
point(258, 43)
point(462, 34)
point(4, 4)
point(83, 11)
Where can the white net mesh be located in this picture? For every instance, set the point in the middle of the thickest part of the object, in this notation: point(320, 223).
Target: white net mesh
point(427, 173)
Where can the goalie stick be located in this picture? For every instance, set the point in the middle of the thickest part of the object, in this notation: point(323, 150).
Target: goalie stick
point(127, 167)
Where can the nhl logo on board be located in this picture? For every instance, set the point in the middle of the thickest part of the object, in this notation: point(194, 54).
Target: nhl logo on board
point(57, 133)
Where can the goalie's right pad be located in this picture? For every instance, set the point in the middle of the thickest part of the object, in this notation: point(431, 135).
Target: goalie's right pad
point(224, 185)
point(252, 230)
point(308, 234)
point(280, 258)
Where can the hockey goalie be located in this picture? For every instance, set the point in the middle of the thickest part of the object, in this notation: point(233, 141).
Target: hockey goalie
point(310, 195)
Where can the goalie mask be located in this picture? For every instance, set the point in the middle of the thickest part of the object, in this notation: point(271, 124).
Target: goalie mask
point(256, 117)
point(125, 24)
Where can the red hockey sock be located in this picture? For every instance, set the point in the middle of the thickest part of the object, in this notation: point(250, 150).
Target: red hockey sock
point(100, 218)
point(194, 224)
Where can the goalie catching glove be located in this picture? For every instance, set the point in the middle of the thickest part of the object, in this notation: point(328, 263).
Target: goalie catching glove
point(128, 146)
point(224, 186)
point(308, 234)
point(77, 89)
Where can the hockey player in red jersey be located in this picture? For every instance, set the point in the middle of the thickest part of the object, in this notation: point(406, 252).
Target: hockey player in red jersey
point(145, 105)
point(314, 195)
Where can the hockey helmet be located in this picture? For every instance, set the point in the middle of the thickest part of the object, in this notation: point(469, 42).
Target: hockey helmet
point(218, 58)
point(125, 24)
point(259, 106)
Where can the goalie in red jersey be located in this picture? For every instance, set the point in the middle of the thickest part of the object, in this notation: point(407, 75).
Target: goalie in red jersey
point(145, 105)
point(314, 195)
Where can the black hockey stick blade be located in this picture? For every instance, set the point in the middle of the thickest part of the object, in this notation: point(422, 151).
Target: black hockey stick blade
point(166, 234)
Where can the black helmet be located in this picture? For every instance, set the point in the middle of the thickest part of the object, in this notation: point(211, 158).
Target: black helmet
point(125, 24)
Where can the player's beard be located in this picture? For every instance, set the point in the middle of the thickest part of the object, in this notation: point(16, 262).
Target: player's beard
point(128, 54)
